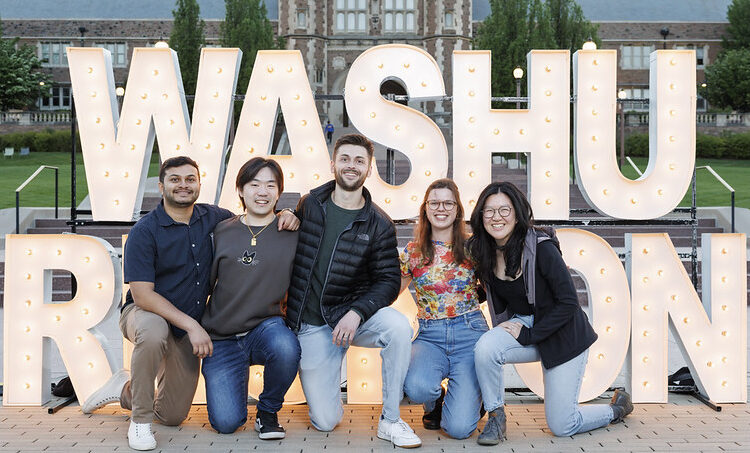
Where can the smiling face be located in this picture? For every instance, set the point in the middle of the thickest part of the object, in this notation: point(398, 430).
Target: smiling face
point(350, 167)
point(260, 194)
point(502, 217)
point(181, 186)
point(440, 207)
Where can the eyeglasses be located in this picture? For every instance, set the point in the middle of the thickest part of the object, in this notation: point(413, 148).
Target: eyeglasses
point(504, 212)
point(448, 205)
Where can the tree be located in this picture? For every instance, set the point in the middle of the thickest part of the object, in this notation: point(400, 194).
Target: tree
point(738, 29)
point(186, 39)
point(514, 27)
point(570, 29)
point(728, 80)
point(21, 82)
point(247, 27)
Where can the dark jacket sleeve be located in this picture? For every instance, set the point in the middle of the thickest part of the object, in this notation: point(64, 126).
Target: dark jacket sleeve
point(564, 300)
point(385, 272)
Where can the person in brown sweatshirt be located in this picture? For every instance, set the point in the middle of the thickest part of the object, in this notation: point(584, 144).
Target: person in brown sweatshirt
point(250, 274)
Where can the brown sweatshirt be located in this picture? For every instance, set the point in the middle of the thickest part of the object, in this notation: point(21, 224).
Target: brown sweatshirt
point(249, 282)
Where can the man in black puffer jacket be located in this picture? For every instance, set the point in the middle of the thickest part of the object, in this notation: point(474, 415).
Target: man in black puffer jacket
point(346, 274)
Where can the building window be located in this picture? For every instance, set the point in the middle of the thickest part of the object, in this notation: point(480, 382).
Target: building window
point(53, 53)
point(635, 57)
point(301, 18)
point(59, 99)
point(351, 15)
point(119, 51)
point(319, 75)
point(640, 105)
point(399, 15)
point(700, 54)
point(449, 20)
point(701, 104)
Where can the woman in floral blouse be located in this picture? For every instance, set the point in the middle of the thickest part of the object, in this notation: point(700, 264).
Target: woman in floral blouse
point(450, 322)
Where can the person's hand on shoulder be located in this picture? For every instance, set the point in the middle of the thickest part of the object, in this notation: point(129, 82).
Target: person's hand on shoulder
point(287, 220)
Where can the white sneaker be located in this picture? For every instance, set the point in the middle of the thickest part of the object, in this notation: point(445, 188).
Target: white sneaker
point(107, 393)
point(140, 436)
point(399, 433)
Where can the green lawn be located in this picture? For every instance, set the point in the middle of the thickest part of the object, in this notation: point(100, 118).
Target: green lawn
point(41, 191)
point(13, 171)
point(711, 192)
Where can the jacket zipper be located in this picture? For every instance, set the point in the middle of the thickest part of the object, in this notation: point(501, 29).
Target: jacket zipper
point(328, 270)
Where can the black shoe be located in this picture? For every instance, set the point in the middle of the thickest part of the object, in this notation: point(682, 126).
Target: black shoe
point(621, 405)
point(267, 425)
point(431, 420)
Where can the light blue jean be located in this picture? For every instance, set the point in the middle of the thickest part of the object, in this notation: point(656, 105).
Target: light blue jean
point(562, 383)
point(320, 365)
point(444, 348)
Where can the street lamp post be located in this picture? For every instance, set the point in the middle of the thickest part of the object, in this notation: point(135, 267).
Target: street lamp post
point(82, 31)
point(621, 96)
point(518, 75)
point(664, 33)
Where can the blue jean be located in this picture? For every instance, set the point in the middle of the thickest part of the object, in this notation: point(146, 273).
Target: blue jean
point(270, 344)
point(444, 348)
point(562, 383)
point(320, 366)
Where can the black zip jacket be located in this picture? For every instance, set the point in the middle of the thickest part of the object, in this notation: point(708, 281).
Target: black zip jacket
point(363, 274)
point(561, 328)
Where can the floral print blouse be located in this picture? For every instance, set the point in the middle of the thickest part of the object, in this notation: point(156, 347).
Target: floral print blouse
point(444, 289)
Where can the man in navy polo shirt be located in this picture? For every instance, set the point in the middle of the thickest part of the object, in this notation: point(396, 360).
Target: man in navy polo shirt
point(167, 261)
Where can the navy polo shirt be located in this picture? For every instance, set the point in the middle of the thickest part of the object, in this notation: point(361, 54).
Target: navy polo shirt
point(174, 256)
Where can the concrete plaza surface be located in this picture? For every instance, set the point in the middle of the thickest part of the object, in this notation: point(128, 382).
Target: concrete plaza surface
point(682, 425)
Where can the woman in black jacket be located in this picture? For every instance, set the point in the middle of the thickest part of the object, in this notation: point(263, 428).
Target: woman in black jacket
point(536, 315)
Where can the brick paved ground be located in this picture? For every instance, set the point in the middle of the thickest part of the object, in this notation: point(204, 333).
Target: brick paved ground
point(682, 425)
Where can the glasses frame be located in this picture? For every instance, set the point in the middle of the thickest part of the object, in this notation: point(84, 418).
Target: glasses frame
point(439, 203)
point(497, 211)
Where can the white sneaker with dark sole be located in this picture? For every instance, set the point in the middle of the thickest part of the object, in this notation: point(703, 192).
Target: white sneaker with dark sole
point(140, 436)
point(399, 433)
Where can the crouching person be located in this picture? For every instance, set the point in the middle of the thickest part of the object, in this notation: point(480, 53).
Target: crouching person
point(166, 261)
point(250, 274)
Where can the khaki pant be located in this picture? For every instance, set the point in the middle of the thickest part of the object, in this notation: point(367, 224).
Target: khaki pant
point(159, 355)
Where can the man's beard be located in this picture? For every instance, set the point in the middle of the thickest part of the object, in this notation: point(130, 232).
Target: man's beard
point(347, 185)
point(180, 204)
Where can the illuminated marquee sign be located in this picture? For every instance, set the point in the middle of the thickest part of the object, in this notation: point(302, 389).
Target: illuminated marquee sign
point(651, 293)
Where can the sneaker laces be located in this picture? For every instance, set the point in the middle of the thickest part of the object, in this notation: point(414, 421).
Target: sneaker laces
point(142, 426)
point(401, 424)
point(492, 426)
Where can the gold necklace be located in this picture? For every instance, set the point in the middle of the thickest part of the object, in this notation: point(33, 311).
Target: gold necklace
point(254, 242)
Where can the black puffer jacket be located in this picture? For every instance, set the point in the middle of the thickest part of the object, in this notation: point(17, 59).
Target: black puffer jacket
point(364, 271)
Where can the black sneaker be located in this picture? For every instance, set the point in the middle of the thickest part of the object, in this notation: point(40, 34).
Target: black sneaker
point(621, 404)
point(431, 420)
point(267, 425)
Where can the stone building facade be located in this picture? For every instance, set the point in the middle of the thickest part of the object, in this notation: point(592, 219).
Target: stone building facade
point(331, 34)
